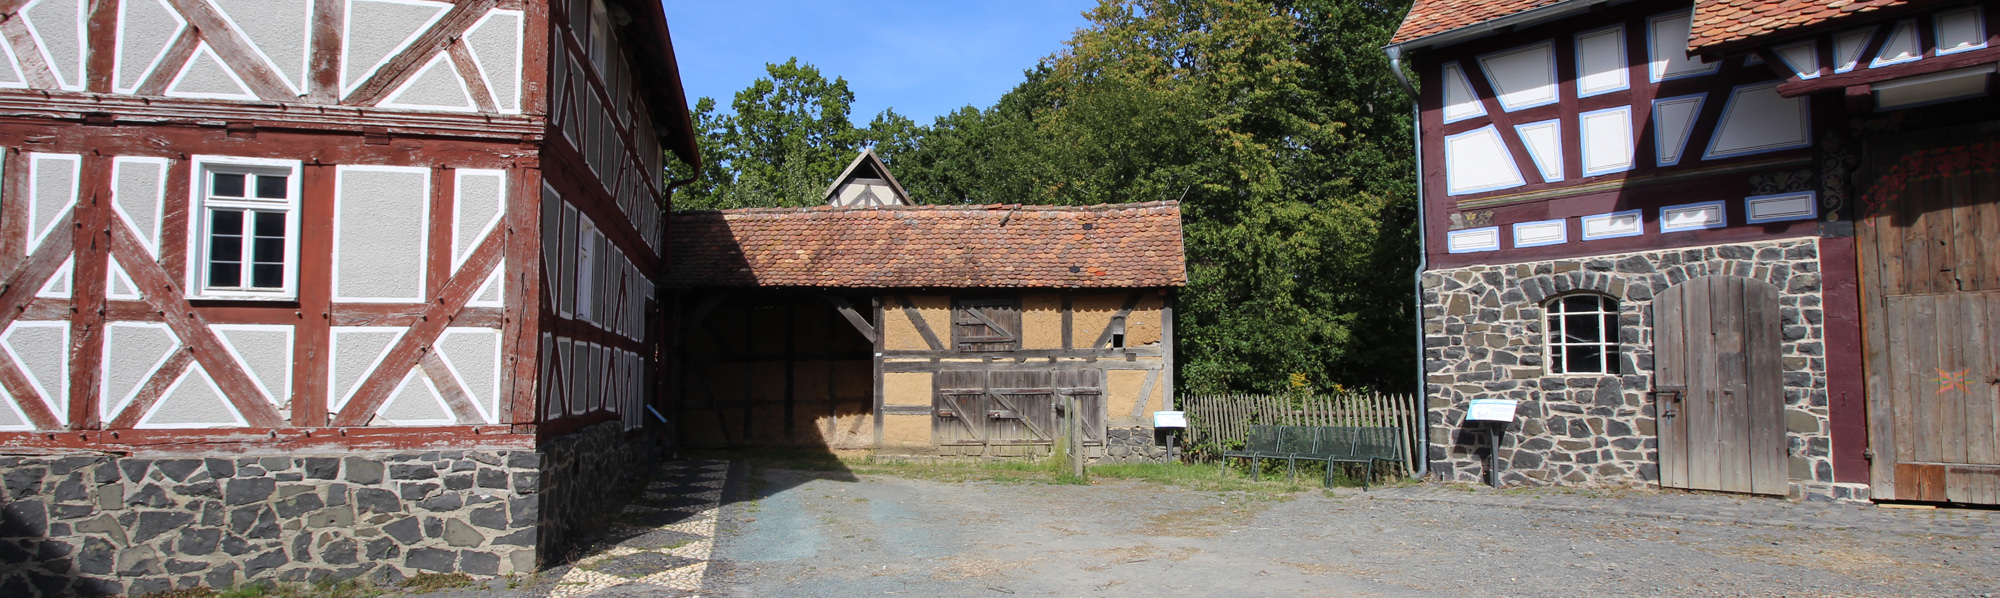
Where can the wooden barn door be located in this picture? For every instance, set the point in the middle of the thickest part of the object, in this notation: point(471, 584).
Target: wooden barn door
point(1929, 244)
point(996, 412)
point(1720, 396)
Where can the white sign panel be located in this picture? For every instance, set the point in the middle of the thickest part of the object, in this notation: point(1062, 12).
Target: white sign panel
point(1169, 419)
point(1491, 410)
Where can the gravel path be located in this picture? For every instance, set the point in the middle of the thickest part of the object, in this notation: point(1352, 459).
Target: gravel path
point(809, 534)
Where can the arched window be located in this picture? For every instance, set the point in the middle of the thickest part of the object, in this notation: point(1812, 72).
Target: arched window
point(1583, 334)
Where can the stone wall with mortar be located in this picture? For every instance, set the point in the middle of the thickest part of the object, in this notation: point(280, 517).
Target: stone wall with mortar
point(93, 524)
point(1134, 445)
point(580, 475)
point(1484, 339)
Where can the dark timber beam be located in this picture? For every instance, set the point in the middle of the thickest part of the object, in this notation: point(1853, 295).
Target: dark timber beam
point(853, 317)
point(917, 319)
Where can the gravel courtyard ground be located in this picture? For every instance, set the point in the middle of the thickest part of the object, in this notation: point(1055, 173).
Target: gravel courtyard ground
point(809, 534)
point(741, 530)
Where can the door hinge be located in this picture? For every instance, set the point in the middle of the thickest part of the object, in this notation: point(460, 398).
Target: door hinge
point(1869, 454)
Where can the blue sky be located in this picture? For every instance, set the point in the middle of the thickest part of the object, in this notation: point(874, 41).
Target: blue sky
point(921, 58)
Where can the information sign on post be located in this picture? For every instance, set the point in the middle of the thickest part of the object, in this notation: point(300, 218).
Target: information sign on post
point(1491, 410)
point(1495, 414)
point(1169, 419)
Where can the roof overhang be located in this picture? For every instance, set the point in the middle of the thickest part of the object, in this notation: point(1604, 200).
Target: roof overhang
point(1519, 20)
point(651, 49)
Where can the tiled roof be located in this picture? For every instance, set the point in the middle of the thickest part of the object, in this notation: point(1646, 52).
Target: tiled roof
point(1431, 17)
point(1719, 22)
point(1122, 245)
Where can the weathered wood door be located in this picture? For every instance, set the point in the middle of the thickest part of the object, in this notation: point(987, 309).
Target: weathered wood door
point(1720, 396)
point(1929, 241)
point(1011, 412)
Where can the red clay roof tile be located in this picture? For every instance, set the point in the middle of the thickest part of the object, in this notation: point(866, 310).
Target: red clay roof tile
point(1721, 22)
point(1007, 246)
point(1431, 17)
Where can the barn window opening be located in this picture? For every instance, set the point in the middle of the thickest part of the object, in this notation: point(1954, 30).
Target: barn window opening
point(986, 324)
point(1583, 334)
point(1118, 332)
point(248, 230)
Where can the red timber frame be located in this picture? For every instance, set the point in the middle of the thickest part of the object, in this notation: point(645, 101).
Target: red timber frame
point(565, 169)
point(1646, 186)
point(101, 126)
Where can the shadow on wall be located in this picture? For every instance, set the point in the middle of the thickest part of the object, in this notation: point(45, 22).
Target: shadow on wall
point(774, 370)
point(46, 497)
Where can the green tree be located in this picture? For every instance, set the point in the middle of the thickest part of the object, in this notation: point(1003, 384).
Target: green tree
point(1280, 126)
point(787, 137)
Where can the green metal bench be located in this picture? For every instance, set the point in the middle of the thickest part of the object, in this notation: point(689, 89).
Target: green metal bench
point(1332, 444)
point(1262, 442)
point(1360, 446)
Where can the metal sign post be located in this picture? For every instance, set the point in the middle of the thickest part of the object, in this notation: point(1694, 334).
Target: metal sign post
point(1495, 414)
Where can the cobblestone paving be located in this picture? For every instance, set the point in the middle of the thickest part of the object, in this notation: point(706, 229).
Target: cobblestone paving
point(661, 544)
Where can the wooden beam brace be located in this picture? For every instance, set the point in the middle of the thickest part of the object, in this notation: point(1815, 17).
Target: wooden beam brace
point(29, 55)
point(853, 317)
point(1104, 338)
point(192, 328)
point(404, 65)
point(1145, 394)
point(153, 390)
point(234, 50)
point(28, 278)
point(455, 396)
point(404, 354)
point(25, 396)
point(917, 319)
point(461, 59)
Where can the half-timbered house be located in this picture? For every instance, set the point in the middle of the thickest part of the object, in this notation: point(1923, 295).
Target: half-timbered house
point(917, 329)
point(1722, 245)
point(309, 289)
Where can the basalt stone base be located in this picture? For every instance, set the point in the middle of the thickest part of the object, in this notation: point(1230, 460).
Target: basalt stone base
point(93, 524)
point(1134, 445)
point(1484, 338)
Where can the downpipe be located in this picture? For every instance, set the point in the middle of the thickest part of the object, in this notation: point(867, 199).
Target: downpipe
point(1423, 254)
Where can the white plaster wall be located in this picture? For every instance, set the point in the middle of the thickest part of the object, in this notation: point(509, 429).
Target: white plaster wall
point(381, 233)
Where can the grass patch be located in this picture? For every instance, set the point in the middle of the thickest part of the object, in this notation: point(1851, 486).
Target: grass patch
point(353, 588)
point(424, 583)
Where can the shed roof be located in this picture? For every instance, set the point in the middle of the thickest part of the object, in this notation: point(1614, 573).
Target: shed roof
point(986, 246)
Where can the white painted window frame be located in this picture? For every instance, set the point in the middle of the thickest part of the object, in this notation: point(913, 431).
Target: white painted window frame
point(1555, 347)
point(199, 205)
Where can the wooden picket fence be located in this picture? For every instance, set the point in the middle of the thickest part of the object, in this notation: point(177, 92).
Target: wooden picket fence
point(1218, 422)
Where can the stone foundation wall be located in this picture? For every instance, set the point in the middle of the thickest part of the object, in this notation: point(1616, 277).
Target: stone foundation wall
point(1134, 445)
point(101, 525)
point(1484, 339)
point(580, 475)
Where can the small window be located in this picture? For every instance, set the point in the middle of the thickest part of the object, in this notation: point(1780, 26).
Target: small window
point(990, 324)
point(1118, 332)
point(1583, 335)
point(246, 235)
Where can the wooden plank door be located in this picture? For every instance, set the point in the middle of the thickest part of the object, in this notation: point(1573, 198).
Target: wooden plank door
point(1020, 412)
point(997, 412)
point(958, 420)
point(1929, 244)
point(1719, 388)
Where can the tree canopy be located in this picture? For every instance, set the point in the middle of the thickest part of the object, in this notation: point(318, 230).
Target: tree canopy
point(1277, 123)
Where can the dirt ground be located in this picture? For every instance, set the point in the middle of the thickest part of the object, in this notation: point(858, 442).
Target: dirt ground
point(794, 533)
